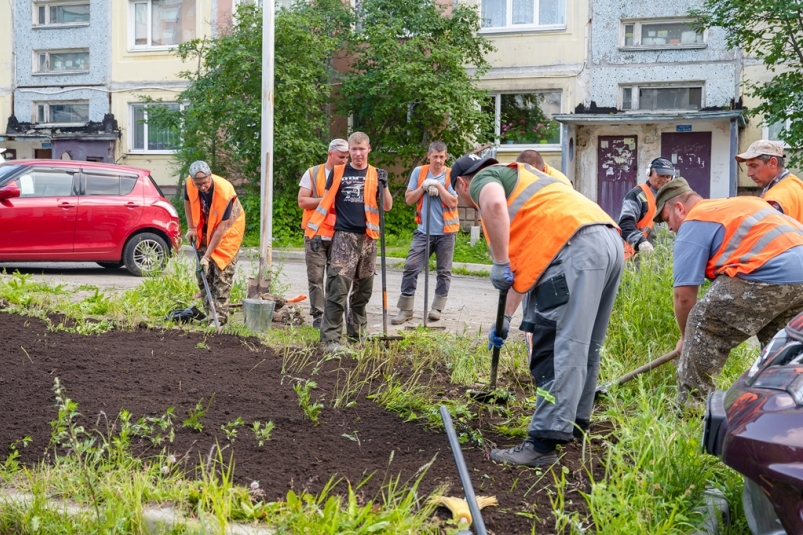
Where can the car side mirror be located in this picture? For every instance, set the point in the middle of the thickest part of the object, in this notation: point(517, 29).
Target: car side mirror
point(9, 191)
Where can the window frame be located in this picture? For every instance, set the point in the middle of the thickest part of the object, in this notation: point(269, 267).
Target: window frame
point(518, 147)
point(38, 53)
point(634, 98)
point(765, 132)
point(48, 104)
point(132, 27)
point(509, 27)
point(36, 4)
point(132, 125)
point(637, 30)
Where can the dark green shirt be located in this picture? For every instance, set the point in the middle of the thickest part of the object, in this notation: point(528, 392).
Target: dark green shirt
point(501, 174)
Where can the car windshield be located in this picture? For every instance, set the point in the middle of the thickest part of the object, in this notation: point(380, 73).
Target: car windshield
point(7, 170)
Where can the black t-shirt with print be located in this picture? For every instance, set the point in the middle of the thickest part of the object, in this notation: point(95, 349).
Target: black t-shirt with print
point(350, 200)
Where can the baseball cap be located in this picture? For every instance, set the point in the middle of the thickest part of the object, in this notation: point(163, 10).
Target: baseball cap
point(663, 166)
point(671, 190)
point(199, 166)
point(760, 148)
point(339, 144)
point(468, 165)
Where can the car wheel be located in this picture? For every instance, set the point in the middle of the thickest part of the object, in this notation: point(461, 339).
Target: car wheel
point(145, 254)
point(110, 265)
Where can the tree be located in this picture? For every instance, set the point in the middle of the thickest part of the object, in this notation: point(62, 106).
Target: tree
point(772, 31)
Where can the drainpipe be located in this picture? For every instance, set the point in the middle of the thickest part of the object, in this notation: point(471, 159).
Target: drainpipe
point(564, 148)
point(734, 146)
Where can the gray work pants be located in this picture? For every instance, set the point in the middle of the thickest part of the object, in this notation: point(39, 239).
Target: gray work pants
point(568, 313)
point(443, 247)
point(316, 272)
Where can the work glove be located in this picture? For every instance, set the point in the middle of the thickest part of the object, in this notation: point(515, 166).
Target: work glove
point(645, 248)
point(428, 183)
point(315, 244)
point(501, 276)
point(382, 176)
point(497, 339)
point(192, 235)
point(205, 266)
point(433, 191)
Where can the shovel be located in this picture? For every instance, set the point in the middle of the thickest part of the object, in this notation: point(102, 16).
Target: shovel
point(426, 261)
point(206, 287)
point(601, 389)
point(385, 337)
point(484, 396)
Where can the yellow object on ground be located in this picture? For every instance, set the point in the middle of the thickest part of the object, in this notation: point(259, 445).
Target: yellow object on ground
point(459, 506)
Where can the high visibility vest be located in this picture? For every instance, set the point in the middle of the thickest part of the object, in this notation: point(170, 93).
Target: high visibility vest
point(451, 218)
point(325, 214)
point(754, 233)
point(317, 177)
point(645, 223)
point(788, 192)
point(554, 173)
point(545, 213)
point(233, 237)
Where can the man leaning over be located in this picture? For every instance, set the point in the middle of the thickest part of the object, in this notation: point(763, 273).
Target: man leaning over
point(638, 209)
point(534, 158)
point(316, 250)
point(754, 256)
point(765, 166)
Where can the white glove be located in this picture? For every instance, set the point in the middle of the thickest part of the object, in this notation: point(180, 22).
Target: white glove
point(646, 248)
point(433, 191)
point(429, 183)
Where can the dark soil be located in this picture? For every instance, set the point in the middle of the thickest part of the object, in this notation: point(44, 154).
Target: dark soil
point(147, 371)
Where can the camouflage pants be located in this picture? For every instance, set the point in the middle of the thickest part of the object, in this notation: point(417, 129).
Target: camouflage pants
point(352, 260)
point(220, 282)
point(731, 311)
point(316, 271)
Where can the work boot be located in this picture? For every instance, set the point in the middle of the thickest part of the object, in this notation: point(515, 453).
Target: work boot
point(316, 322)
point(524, 454)
point(437, 306)
point(405, 313)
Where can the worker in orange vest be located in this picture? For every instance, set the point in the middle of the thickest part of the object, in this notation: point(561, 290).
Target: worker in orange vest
point(216, 223)
point(316, 250)
point(638, 209)
point(564, 253)
point(765, 166)
point(534, 158)
point(350, 205)
point(754, 256)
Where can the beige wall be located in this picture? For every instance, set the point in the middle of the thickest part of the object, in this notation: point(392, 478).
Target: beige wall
point(6, 63)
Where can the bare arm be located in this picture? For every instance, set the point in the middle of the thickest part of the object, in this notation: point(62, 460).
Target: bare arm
point(306, 201)
point(685, 297)
point(411, 196)
point(513, 301)
point(388, 199)
point(188, 213)
point(447, 198)
point(493, 205)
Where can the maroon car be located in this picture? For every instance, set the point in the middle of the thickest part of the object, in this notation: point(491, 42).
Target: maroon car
point(72, 211)
point(756, 427)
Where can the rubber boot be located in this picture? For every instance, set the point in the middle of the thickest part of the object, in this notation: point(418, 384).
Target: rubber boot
point(437, 306)
point(405, 313)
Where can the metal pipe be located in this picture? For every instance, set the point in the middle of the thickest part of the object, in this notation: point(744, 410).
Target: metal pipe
point(266, 139)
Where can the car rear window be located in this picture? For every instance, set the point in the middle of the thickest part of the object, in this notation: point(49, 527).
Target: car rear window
point(108, 184)
point(155, 185)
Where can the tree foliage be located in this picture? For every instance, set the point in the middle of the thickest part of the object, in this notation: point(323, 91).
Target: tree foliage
point(771, 31)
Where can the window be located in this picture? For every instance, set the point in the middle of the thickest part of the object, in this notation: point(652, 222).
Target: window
point(162, 23)
point(662, 97)
point(152, 138)
point(772, 131)
point(523, 14)
point(62, 112)
point(108, 184)
point(525, 118)
point(46, 183)
point(53, 14)
point(65, 61)
point(661, 34)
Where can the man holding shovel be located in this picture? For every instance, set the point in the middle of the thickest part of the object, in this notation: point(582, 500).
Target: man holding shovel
point(350, 205)
point(215, 225)
point(564, 251)
point(430, 189)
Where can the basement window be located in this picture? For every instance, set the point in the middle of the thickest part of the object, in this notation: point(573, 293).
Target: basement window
point(661, 34)
point(60, 13)
point(652, 98)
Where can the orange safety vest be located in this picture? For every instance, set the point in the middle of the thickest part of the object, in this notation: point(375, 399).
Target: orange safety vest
point(325, 215)
point(788, 192)
point(233, 237)
point(754, 233)
point(545, 213)
point(554, 173)
point(645, 223)
point(317, 177)
point(451, 218)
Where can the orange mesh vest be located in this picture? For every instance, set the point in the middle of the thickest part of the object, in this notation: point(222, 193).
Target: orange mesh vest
point(325, 214)
point(224, 192)
point(788, 192)
point(318, 177)
point(645, 223)
point(754, 233)
point(451, 219)
point(545, 213)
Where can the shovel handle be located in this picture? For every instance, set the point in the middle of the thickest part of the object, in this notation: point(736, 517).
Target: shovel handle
point(500, 321)
point(647, 367)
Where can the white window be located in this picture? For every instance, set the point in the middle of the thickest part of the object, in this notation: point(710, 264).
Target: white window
point(278, 4)
point(61, 112)
point(773, 131)
point(661, 34)
point(517, 15)
point(151, 138)
point(161, 23)
point(525, 119)
point(650, 97)
point(60, 13)
point(61, 61)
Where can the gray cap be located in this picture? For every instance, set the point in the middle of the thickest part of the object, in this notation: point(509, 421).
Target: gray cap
point(199, 166)
point(662, 166)
point(670, 190)
point(339, 144)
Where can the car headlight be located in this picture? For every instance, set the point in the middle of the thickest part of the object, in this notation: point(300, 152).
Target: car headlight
point(167, 206)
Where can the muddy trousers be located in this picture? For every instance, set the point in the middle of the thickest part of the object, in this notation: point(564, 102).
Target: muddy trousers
point(443, 247)
point(316, 275)
point(728, 314)
point(220, 283)
point(352, 262)
point(574, 297)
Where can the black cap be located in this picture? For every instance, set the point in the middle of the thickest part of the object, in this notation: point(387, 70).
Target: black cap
point(663, 166)
point(468, 165)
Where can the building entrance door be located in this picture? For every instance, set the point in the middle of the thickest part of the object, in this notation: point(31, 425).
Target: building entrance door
point(691, 154)
point(43, 154)
point(617, 166)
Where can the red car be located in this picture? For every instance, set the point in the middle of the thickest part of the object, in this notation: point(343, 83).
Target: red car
point(63, 210)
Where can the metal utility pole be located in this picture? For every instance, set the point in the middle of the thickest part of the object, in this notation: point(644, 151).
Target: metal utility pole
point(266, 167)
